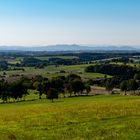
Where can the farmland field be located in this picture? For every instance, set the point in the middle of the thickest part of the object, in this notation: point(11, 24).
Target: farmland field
point(63, 57)
point(53, 71)
point(81, 118)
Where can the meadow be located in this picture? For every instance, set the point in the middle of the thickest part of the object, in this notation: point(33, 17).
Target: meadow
point(53, 71)
point(102, 117)
point(80, 118)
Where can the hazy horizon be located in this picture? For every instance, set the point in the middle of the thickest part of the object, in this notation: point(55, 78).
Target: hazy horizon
point(84, 22)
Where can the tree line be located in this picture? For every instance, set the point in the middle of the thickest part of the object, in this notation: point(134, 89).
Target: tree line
point(18, 90)
point(126, 78)
point(125, 86)
point(114, 70)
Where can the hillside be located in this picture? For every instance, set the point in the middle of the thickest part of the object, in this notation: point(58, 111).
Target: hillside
point(98, 117)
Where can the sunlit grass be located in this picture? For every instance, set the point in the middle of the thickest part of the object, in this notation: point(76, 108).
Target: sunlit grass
point(96, 117)
point(53, 71)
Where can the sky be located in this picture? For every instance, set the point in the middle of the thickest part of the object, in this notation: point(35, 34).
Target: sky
point(48, 22)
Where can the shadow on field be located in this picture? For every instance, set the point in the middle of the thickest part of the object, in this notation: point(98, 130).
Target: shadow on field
point(32, 100)
point(12, 102)
point(76, 96)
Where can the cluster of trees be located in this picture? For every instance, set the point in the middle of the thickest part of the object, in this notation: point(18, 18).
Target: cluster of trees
point(114, 70)
point(3, 65)
point(125, 85)
point(72, 84)
point(61, 61)
point(88, 57)
point(33, 62)
point(129, 85)
point(122, 59)
point(18, 90)
point(126, 78)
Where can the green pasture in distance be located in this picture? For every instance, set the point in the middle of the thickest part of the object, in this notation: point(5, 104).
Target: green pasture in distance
point(53, 71)
point(63, 57)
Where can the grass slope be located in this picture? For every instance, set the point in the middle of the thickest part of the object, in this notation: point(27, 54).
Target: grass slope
point(81, 118)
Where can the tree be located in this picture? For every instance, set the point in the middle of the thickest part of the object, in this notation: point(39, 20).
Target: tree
point(137, 76)
point(68, 88)
point(52, 94)
point(124, 86)
point(27, 84)
point(45, 86)
point(57, 83)
point(109, 86)
point(73, 77)
point(4, 91)
point(87, 88)
point(105, 76)
point(77, 86)
point(39, 87)
point(18, 90)
point(132, 85)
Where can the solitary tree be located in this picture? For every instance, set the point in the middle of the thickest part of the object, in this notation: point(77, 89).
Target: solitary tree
point(52, 94)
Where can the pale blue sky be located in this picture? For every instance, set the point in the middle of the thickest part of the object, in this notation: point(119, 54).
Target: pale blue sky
point(44, 22)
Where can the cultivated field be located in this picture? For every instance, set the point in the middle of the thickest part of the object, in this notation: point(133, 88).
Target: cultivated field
point(79, 118)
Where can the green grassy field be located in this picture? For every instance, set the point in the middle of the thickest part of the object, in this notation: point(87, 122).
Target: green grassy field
point(19, 59)
point(129, 64)
point(63, 57)
point(79, 118)
point(53, 71)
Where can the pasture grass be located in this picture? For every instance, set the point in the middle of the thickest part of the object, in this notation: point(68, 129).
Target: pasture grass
point(57, 56)
point(53, 71)
point(80, 118)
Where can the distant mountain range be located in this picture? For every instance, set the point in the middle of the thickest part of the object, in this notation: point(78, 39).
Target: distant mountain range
point(73, 47)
